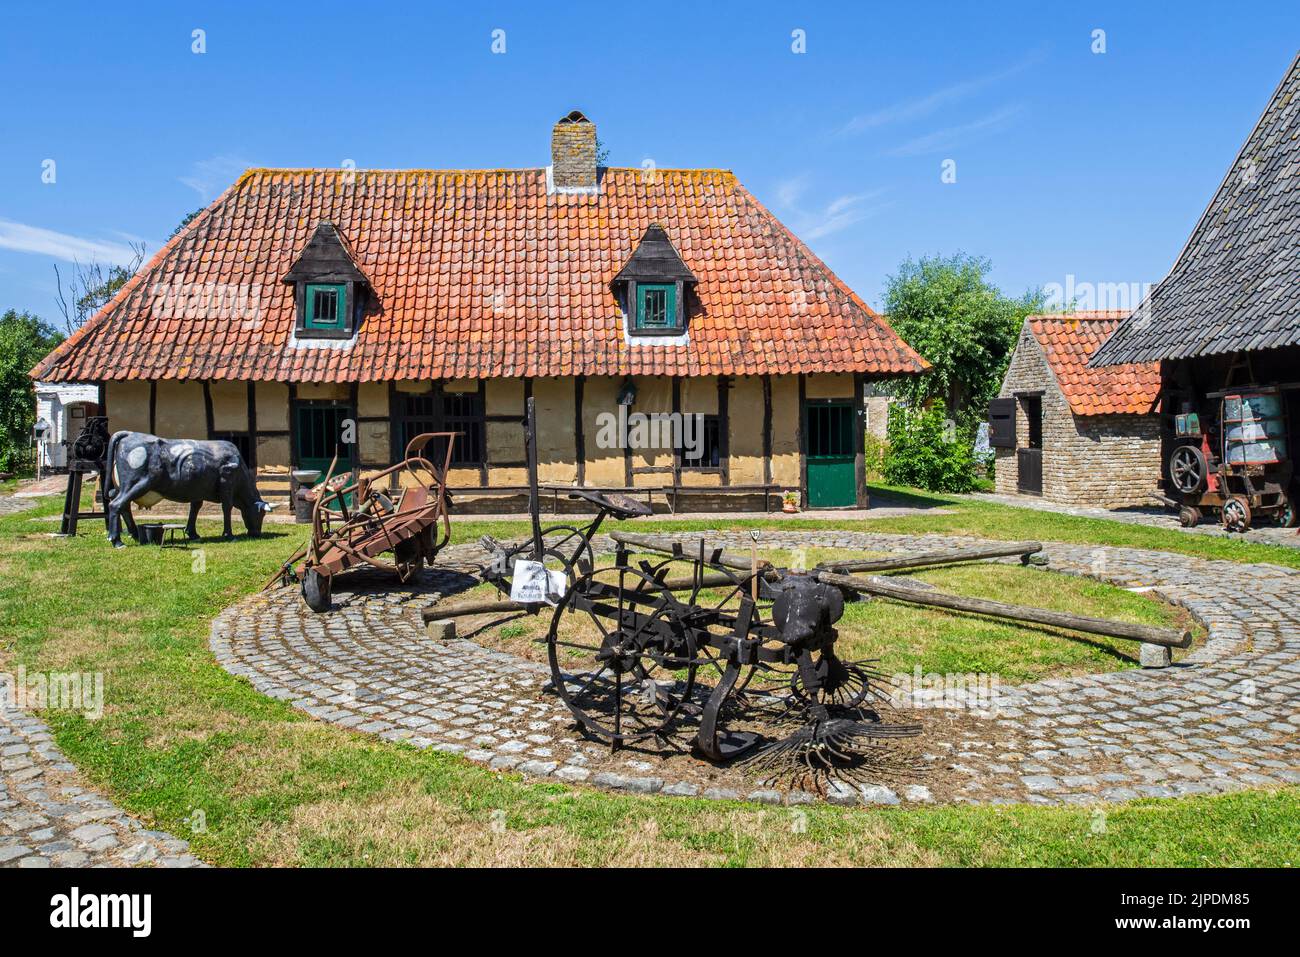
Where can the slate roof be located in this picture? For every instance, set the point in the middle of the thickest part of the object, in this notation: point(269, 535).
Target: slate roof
point(1068, 340)
point(1236, 284)
point(479, 274)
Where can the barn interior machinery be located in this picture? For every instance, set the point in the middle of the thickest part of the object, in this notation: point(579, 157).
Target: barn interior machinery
point(1234, 457)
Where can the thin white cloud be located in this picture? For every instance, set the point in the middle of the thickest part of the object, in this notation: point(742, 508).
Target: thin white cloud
point(837, 215)
point(923, 106)
point(210, 176)
point(47, 242)
point(952, 136)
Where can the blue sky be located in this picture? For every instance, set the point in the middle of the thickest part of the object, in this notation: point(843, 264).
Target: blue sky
point(1068, 162)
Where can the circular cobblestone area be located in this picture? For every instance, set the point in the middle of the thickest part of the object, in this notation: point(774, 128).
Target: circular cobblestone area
point(1226, 718)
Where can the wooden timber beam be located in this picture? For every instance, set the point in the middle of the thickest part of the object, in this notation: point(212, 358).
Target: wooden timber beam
point(1169, 637)
point(945, 557)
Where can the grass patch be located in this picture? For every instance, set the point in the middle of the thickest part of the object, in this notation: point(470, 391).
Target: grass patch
point(180, 735)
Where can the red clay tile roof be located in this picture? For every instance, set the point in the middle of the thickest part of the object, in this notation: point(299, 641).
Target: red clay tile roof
point(479, 274)
point(1069, 340)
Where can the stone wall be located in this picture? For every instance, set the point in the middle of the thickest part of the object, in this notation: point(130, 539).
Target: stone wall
point(1104, 460)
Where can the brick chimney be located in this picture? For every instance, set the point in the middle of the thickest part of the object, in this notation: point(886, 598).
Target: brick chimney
point(573, 153)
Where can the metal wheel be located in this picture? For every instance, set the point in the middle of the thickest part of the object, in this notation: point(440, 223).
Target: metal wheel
point(620, 657)
point(1189, 516)
point(316, 590)
point(1287, 516)
point(573, 549)
point(1188, 469)
point(1236, 514)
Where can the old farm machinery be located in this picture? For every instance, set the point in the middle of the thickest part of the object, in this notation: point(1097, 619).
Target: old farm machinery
point(358, 521)
point(1237, 461)
point(629, 643)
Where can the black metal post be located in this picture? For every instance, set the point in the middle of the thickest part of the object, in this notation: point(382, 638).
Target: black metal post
point(530, 448)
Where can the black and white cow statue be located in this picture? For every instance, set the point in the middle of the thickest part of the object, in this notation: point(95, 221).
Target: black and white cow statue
point(146, 469)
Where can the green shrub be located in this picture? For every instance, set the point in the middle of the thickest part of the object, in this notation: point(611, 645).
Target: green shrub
point(873, 456)
point(926, 450)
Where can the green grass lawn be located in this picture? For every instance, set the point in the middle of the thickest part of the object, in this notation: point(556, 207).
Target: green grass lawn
point(180, 735)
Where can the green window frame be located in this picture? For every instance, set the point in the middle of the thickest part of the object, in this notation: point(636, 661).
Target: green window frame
point(319, 296)
point(656, 305)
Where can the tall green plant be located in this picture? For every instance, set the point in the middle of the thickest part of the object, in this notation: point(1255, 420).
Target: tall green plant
point(928, 450)
point(24, 341)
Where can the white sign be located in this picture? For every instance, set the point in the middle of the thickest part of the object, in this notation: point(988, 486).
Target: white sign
point(533, 583)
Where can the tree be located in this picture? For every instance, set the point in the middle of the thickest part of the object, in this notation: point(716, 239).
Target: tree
point(90, 286)
point(24, 341)
point(948, 311)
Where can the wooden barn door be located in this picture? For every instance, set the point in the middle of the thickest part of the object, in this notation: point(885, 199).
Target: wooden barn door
point(832, 481)
point(1029, 458)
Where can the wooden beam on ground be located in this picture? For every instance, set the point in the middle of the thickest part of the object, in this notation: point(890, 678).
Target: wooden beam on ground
point(945, 557)
point(463, 608)
point(689, 550)
point(1169, 637)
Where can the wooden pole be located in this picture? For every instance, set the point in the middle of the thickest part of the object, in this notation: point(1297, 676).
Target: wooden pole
point(484, 607)
point(667, 546)
point(1169, 637)
point(944, 557)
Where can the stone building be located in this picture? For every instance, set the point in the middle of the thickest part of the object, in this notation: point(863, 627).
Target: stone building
point(309, 312)
point(1072, 434)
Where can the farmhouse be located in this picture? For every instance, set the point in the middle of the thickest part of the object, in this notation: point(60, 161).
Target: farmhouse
point(1224, 328)
point(312, 311)
point(1073, 434)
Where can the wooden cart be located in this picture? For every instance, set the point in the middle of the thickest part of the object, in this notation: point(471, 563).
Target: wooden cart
point(357, 521)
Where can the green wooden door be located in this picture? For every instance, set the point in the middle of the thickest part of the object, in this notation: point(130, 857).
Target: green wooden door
point(318, 434)
point(828, 431)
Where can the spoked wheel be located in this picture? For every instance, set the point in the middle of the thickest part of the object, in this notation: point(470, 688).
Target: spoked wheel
point(316, 588)
point(1188, 469)
point(572, 548)
point(1236, 514)
point(841, 684)
point(620, 656)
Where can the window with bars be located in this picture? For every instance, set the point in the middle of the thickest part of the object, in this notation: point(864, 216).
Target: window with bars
point(463, 412)
point(325, 306)
point(656, 306)
point(418, 415)
point(708, 451)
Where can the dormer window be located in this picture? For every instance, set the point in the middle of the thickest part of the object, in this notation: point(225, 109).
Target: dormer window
point(654, 287)
point(329, 289)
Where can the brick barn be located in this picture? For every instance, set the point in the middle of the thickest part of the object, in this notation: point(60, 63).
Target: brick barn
point(409, 301)
point(1072, 434)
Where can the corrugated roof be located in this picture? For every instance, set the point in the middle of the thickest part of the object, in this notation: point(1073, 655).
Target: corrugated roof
point(1236, 284)
point(479, 274)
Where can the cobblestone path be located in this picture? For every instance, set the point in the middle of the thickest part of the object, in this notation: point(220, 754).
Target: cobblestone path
point(1226, 718)
point(47, 820)
point(1149, 516)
